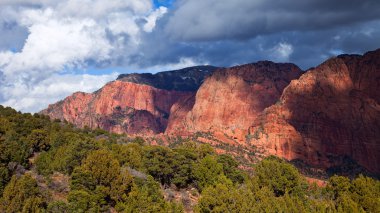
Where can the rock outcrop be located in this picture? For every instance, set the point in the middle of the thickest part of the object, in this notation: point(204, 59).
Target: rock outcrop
point(120, 107)
point(135, 103)
point(329, 113)
point(322, 116)
point(231, 99)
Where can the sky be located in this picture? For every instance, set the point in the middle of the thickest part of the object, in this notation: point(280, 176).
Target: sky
point(52, 48)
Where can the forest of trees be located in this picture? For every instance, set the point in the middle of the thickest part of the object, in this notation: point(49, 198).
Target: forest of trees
point(108, 172)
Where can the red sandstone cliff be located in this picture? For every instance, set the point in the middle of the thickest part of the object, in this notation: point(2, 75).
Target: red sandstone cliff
point(230, 99)
point(330, 111)
point(120, 107)
point(134, 103)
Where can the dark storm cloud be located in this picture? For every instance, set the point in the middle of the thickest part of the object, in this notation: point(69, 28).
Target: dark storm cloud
point(308, 48)
point(199, 20)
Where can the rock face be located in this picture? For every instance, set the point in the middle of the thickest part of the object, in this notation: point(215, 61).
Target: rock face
point(331, 111)
point(120, 107)
point(321, 117)
point(231, 99)
point(135, 103)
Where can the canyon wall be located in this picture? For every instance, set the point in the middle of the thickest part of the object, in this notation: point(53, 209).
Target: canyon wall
point(230, 99)
point(133, 104)
point(120, 107)
point(321, 116)
point(330, 112)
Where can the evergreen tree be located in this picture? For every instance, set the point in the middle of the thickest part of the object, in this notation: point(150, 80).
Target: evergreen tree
point(22, 195)
point(279, 176)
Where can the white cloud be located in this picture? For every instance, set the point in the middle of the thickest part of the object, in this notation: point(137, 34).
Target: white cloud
point(28, 2)
point(101, 8)
point(153, 17)
point(50, 90)
point(281, 52)
point(54, 44)
point(64, 36)
point(124, 23)
point(182, 63)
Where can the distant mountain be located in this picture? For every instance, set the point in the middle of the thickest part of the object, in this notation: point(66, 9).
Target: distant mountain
point(134, 103)
point(321, 116)
point(187, 79)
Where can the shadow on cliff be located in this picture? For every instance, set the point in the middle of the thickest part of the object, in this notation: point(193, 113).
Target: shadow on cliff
point(340, 126)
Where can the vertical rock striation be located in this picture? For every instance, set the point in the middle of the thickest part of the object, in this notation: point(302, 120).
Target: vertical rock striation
point(330, 112)
point(230, 99)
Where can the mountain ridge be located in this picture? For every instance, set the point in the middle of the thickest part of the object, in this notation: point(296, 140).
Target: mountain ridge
point(262, 104)
point(186, 79)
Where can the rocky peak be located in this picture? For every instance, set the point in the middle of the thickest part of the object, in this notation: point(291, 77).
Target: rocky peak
point(231, 98)
point(257, 72)
point(187, 79)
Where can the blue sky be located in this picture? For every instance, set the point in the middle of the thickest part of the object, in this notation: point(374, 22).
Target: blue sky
point(165, 3)
point(50, 49)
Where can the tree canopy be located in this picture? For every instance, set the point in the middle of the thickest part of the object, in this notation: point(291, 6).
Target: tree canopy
point(107, 172)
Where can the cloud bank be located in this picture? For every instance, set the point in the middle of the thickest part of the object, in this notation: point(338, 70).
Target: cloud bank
point(50, 43)
point(244, 19)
